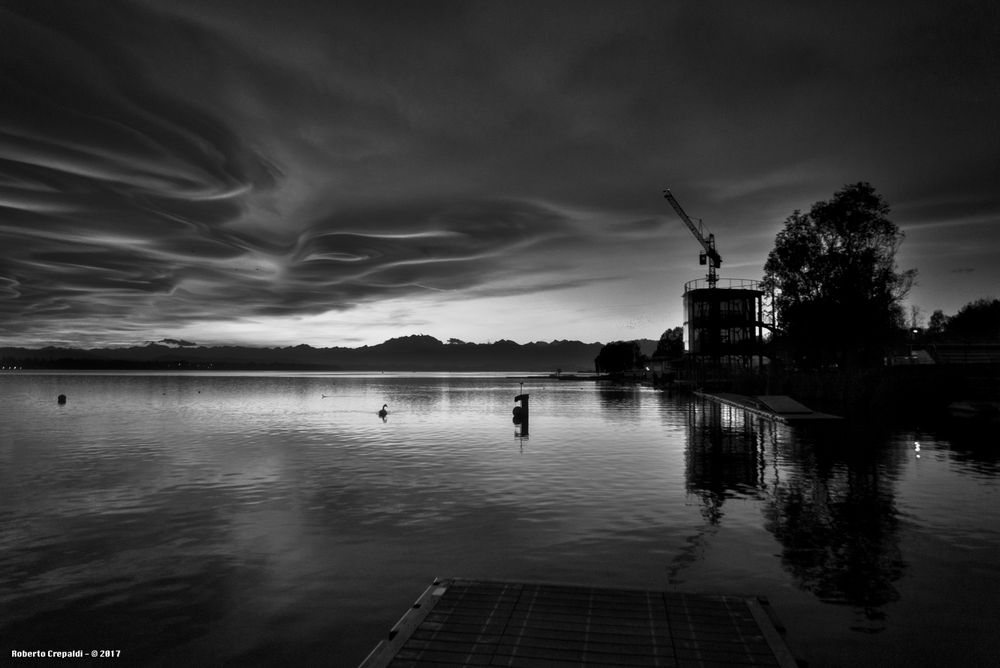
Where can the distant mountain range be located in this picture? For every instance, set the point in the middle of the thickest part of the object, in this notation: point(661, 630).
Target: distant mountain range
point(408, 353)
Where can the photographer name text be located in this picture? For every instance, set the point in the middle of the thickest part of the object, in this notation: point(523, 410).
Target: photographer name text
point(65, 653)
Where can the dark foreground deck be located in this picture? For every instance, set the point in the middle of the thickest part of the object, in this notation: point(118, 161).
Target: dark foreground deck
point(471, 623)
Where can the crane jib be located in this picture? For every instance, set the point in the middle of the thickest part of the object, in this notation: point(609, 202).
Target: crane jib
point(714, 260)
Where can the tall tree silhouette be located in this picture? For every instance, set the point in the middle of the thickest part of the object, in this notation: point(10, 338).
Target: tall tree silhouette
point(837, 289)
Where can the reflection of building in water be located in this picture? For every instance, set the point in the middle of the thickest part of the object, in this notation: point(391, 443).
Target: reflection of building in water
point(725, 453)
point(727, 456)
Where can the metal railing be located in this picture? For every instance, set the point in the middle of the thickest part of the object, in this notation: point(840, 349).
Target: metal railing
point(725, 283)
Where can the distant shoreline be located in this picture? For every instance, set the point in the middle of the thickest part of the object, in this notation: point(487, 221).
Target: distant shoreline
point(355, 373)
point(406, 354)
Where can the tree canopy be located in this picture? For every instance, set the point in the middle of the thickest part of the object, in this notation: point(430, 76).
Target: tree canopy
point(619, 356)
point(671, 344)
point(978, 320)
point(833, 272)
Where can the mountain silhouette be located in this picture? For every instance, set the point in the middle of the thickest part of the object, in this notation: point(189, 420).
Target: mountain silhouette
point(406, 353)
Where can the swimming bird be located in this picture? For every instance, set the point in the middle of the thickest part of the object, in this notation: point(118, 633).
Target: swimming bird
point(383, 412)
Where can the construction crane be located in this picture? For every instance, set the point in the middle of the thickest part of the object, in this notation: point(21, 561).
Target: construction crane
point(709, 256)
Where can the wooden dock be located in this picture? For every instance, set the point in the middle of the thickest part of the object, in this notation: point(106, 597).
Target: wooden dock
point(473, 623)
point(775, 406)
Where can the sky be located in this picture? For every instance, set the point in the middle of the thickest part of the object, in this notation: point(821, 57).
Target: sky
point(336, 174)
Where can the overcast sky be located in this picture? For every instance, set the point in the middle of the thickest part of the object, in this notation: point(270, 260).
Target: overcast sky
point(332, 173)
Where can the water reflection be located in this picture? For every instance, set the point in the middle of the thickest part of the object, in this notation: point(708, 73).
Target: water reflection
point(835, 514)
point(620, 401)
point(828, 498)
point(724, 459)
point(725, 454)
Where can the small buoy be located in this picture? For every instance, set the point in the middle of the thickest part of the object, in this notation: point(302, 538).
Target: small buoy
point(61, 399)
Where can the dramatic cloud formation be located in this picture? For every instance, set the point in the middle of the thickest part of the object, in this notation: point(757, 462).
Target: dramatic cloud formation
point(339, 173)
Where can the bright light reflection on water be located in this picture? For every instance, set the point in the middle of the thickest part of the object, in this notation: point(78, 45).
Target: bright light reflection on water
point(266, 519)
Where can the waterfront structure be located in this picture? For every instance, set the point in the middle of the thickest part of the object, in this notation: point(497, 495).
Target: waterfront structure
point(724, 317)
point(724, 322)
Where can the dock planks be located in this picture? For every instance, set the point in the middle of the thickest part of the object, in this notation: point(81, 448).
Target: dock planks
point(480, 623)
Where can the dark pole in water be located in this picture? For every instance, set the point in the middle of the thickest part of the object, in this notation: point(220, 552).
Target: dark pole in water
point(521, 413)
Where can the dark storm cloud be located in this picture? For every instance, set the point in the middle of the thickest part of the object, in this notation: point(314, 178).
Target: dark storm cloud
point(125, 199)
point(188, 161)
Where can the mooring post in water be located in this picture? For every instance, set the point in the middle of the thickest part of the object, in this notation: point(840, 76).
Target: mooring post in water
point(521, 413)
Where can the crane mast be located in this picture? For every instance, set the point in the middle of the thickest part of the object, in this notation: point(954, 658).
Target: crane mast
point(710, 256)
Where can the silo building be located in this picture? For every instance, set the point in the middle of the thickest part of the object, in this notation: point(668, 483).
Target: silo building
point(724, 323)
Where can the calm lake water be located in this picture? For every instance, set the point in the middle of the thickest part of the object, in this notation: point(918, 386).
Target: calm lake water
point(275, 519)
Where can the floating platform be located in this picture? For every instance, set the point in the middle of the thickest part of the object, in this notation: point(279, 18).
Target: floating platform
point(773, 406)
point(474, 623)
point(576, 376)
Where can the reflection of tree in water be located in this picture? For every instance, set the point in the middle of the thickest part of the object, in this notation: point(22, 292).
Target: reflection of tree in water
point(834, 514)
point(620, 402)
point(828, 493)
